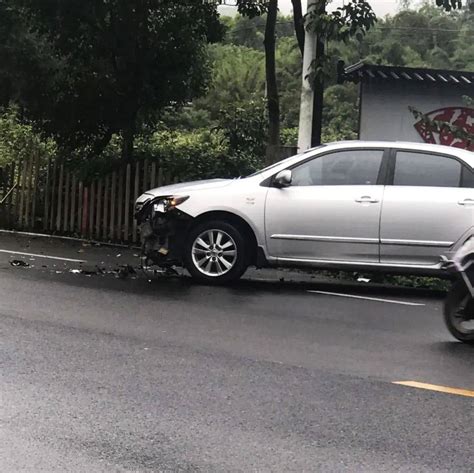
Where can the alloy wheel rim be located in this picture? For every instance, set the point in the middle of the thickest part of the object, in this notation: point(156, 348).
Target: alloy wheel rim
point(214, 253)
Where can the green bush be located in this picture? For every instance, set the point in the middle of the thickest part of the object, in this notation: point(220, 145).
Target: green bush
point(187, 155)
point(289, 136)
point(200, 154)
point(19, 141)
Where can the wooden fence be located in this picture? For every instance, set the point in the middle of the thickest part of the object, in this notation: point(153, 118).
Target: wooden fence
point(49, 198)
point(46, 197)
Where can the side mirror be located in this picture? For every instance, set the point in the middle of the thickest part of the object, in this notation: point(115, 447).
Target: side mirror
point(283, 179)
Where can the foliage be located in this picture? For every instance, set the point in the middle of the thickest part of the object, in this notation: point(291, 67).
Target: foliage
point(448, 5)
point(289, 136)
point(245, 31)
point(18, 141)
point(238, 78)
point(110, 66)
point(338, 114)
point(427, 37)
point(245, 128)
point(352, 20)
point(190, 155)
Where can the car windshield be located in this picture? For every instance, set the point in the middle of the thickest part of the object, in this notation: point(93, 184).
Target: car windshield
point(268, 168)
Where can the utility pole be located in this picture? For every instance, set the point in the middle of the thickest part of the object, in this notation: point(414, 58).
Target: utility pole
point(305, 129)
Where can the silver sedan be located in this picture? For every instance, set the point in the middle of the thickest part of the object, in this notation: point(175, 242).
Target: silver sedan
point(388, 206)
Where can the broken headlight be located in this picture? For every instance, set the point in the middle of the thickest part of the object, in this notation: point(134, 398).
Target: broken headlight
point(165, 204)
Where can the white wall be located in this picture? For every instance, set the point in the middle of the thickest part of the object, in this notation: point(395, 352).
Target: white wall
point(384, 108)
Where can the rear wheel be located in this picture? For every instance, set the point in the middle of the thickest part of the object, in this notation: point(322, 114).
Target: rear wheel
point(215, 252)
point(457, 313)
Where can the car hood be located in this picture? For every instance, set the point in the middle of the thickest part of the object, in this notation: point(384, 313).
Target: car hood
point(189, 187)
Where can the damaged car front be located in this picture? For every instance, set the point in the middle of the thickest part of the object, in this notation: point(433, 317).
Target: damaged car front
point(163, 223)
point(163, 228)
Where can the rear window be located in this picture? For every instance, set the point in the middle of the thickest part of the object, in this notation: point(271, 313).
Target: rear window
point(426, 170)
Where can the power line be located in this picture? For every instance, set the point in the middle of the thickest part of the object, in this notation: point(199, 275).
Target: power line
point(381, 28)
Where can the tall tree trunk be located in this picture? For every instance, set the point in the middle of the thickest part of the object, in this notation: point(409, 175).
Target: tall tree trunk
point(273, 101)
point(298, 21)
point(318, 97)
point(318, 100)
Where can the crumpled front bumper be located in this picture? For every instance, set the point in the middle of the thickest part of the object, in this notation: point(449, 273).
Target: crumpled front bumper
point(163, 235)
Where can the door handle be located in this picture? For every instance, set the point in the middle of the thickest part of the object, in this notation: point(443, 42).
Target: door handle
point(367, 199)
point(466, 202)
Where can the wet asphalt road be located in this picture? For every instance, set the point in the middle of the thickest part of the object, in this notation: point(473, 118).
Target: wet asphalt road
point(101, 374)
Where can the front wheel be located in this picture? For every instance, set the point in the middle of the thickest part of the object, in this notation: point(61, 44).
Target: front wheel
point(215, 252)
point(457, 313)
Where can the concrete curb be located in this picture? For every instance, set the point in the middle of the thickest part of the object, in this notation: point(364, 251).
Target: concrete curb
point(66, 238)
point(275, 276)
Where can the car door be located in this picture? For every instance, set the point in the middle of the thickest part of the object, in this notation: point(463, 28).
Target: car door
point(331, 210)
point(428, 208)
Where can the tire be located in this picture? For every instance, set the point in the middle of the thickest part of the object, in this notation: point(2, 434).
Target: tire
point(216, 252)
point(455, 301)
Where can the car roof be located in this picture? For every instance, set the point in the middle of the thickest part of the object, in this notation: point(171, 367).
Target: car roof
point(465, 155)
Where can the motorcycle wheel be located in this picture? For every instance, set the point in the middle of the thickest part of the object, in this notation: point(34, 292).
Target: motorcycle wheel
point(454, 306)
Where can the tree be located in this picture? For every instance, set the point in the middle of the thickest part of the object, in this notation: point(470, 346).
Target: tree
point(449, 5)
point(353, 19)
point(273, 100)
point(254, 8)
point(116, 64)
point(238, 77)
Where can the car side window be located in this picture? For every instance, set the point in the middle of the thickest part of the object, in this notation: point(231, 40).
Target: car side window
point(343, 168)
point(467, 178)
point(427, 170)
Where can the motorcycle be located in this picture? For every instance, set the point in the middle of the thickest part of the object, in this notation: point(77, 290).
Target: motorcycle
point(459, 304)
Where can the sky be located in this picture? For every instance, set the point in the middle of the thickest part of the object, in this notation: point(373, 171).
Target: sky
point(381, 7)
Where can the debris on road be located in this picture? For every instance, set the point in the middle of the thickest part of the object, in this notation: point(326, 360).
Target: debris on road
point(17, 263)
point(124, 271)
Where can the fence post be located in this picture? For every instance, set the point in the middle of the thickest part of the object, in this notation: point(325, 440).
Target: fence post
point(11, 202)
point(91, 209)
point(79, 207)
point(120, 206)
point(112, 206)
point(22, 193)
point(47, 191)
point(28, 184)
point(66, 209)
point(135, 197)
point(60, 198)
point(53, 196)
point(35, 188)
point(127, 203)
point(72, 216)
point(146, 176)
point(106, 208)
point(98, 213)
point(85, 209)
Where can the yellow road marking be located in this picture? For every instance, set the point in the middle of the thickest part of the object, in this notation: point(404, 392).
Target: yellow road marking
point(434, 387)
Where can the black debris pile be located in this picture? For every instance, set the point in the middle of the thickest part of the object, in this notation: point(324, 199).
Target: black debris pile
point(124, 271)
point(18, 263)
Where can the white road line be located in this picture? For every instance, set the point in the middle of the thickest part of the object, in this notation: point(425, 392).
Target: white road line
point(70, 260)
point(351, 296)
